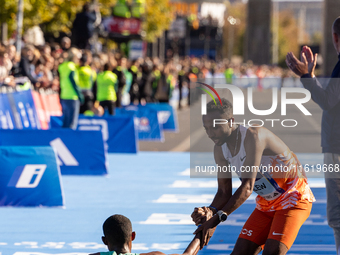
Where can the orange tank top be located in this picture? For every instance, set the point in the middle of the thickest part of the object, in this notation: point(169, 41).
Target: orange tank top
point(280, 182)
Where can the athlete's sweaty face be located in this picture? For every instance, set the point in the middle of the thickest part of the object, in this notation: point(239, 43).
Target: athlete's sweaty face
point(220, 133)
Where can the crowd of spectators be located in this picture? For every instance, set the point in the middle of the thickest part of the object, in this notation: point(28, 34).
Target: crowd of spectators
point(138, 81)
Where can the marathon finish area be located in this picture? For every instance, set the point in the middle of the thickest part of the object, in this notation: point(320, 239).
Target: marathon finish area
point(155, 191)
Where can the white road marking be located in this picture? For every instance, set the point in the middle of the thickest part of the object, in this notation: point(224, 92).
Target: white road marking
point(191, 199)
point(313, 183)
point(233, 219)
point(186, 172)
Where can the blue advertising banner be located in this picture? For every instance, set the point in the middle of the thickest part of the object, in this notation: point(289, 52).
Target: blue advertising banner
point(17, 110)
point(29, 176)
point(79, 152)
point(146, 121)
point(167, 116)
point(5, 114)
point(7, 111)
point(26, 109)
point(119, 133)
point(10, 103)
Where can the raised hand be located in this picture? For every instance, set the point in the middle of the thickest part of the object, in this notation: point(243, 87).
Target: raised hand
point(311, 59)
point(298, 67)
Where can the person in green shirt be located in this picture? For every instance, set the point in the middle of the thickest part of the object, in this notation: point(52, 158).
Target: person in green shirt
point(70, 95)
point(106, 94)
point(87, 77)
point(118, 237)
point(229, 73)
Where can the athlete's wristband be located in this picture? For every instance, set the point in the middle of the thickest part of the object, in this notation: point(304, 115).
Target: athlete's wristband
point(211, 207)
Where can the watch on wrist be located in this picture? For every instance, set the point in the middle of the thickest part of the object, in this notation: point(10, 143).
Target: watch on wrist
point(222, 216)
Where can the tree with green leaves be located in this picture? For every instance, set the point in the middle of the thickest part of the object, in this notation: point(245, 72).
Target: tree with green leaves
point(158, 17)
point(57, 15)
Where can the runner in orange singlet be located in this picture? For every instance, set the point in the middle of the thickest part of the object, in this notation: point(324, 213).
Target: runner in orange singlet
point(265, 165)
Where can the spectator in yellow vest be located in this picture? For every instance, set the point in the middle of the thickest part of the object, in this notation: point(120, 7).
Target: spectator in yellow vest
point(87, 77)
point(106, 94)
point(70, 95)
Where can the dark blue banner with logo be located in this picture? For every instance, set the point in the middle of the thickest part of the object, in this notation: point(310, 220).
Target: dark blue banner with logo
point(29, 176)
point(166, 116)
point(6, 112)
point(119, 133)
point(146, 121)
point(26, 109)
point(79, 152)
point(17, 110)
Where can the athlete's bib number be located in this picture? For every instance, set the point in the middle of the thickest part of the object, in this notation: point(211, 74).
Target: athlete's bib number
point(266, 189)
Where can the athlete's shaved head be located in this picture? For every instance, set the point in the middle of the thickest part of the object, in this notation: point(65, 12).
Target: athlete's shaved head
point(117, 230)
point(225, 108)
point(336, 26)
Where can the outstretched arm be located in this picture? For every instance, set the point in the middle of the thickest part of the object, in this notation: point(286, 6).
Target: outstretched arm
point(224, 190)
point(326, 98)
point(254, 146)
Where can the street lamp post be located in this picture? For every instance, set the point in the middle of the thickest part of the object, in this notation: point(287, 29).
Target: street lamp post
point(20, 17)
point(232, 21)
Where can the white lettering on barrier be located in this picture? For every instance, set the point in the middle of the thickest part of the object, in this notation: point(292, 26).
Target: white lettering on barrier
point(3, 120)
point(23, 114)
point(142, 124)
point(163, 116)
point(93, 124)
point(30, 114)
point(29, 173)
point(64, 155)
point(9, 120)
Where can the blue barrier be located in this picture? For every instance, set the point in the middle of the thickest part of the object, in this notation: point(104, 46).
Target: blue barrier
point(7, 117)
point(29, 176)
point(26, 109)
point(79, 152)
point(118, 131)
point(17, 110)
point(146, 121)
point(166, 116)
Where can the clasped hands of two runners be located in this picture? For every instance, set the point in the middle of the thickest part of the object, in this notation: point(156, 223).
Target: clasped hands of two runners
point(201, 216)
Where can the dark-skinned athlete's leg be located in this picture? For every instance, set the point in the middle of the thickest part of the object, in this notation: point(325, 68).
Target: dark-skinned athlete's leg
point(246, 247)
point(274, 247)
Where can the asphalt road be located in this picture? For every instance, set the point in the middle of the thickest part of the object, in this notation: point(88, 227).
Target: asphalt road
point(303, 138)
